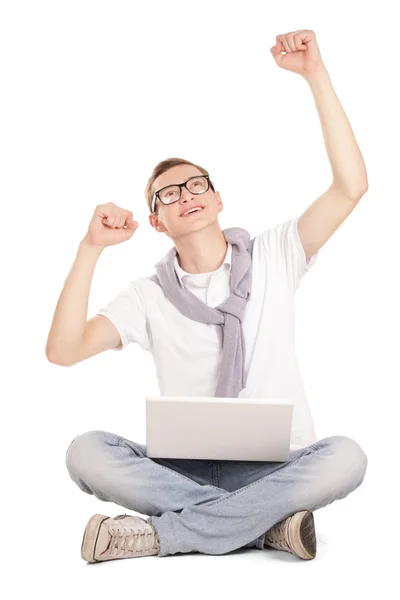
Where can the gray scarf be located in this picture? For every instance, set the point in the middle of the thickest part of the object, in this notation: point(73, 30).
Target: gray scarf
point(229, 314)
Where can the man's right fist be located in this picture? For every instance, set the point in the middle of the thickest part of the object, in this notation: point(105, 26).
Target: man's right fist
point(110, 225)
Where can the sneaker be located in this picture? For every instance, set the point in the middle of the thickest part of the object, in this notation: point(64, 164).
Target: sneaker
point(123, 536)
point(295, 534)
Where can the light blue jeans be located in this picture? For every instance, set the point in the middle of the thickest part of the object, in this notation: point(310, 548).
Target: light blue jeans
point(210, 506)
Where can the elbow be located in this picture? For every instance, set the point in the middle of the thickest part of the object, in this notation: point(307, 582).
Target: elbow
point(56, 359)
point(361, 190)
point(353, 193)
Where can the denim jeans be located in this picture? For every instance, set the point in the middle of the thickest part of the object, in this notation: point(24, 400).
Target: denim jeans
point(213, 506)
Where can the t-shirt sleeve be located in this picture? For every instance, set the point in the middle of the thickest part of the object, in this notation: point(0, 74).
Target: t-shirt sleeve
point(282, 243)
point(127, 311)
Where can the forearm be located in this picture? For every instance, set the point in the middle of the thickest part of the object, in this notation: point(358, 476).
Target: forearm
point(347, 164)
point(70, 316)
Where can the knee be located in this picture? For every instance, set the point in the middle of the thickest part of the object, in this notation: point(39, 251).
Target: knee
point(350, 460)
point(85, 452)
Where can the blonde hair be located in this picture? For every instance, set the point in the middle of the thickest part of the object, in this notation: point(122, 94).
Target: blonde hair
point(163, 166)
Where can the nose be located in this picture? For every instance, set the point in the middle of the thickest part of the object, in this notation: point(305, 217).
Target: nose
point(186, 195)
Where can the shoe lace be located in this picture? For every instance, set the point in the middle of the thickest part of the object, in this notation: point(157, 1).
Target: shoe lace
point(278, 535)
point(129, 539)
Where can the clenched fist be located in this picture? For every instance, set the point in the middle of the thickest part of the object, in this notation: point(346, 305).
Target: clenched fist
point(110, 225)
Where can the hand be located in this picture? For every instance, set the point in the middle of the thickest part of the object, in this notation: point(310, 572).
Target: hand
point(302, 52)
point(110, 225)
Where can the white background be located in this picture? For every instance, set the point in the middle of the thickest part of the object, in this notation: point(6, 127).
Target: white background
point(94, 95)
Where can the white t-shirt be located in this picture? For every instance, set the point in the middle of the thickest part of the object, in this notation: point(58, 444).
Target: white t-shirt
point(187, 354)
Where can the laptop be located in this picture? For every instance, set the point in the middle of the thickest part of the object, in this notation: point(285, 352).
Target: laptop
point(252, 429)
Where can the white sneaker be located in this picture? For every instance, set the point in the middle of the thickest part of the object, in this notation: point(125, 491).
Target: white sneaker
point(123, 536)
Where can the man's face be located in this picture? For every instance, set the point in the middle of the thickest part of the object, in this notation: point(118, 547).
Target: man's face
point(167, 218)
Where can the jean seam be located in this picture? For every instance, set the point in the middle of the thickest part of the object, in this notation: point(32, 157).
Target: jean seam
point(215, 474)
point(118, 440)
point(187, 478)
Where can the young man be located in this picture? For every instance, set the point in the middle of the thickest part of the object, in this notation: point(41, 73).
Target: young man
point(213, 282)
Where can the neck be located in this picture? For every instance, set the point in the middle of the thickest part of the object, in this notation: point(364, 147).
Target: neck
point(201, 251)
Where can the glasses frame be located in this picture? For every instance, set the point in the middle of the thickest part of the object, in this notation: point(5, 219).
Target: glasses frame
point(180, 185)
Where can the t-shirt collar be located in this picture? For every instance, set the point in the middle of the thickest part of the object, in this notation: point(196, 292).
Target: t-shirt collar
point(183, 274)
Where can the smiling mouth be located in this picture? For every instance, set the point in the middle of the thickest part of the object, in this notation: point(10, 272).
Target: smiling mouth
point(194, 212)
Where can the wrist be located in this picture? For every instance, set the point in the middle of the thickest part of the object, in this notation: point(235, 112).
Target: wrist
point(88, 247)
point(316, 74)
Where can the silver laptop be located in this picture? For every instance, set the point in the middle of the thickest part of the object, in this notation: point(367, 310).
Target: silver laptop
point(255, 429)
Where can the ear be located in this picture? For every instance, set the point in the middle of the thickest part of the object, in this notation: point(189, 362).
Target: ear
point(156, 224)
point(219, 201)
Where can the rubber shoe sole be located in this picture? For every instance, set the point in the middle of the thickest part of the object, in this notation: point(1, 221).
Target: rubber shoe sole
point(90, 537)
point(302, 537)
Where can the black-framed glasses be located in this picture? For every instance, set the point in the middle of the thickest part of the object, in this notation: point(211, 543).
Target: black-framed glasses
point(198, 184)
